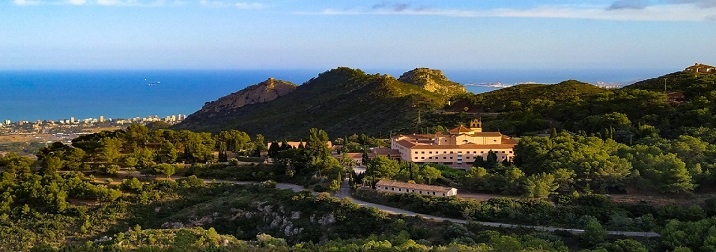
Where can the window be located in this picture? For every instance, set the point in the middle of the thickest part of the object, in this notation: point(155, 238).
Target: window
point(421, 192)
point(510, 151)
point(399, 189)
point(503, 151)
point(444, 152)
point(443, 194)
point(392, 188)
point(444, 157)
point(430, 157)
point(422, 157)
point(482, 152)
point(450, 152)
point(422, 152)
point(416, 152)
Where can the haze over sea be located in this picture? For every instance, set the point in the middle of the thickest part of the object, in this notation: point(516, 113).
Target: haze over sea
point(61, 94)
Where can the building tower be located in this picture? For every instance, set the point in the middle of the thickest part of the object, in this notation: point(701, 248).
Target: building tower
point(476, 125)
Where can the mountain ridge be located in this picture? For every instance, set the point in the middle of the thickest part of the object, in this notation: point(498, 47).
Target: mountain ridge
point(342, 101)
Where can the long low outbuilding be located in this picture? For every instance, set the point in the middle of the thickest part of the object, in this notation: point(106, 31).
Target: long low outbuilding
point(402, 187)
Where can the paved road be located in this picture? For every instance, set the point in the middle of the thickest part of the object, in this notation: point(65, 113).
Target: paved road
point(345, 192)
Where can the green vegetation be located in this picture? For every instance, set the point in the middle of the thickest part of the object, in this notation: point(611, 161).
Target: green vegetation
point(691, 84)
point(597, 146)
point(433, 81)
point(22, 147)
point(190, 215)
point(340, 101)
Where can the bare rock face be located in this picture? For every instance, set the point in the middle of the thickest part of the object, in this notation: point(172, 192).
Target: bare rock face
point(432, 80)
point(258, 93)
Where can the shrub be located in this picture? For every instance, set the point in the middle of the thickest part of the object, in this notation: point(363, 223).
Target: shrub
point(319, 188)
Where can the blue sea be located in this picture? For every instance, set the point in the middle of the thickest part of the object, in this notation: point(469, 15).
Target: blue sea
point(61, 94)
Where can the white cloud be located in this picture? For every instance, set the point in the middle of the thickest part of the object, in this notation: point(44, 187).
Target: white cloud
point(700, 3)
point(249, 6)
point(226, 4)
point(26, 2)
point(77, 2)
point(100, 2)
point(669, 12)
point(214, 4)
point(119, 2)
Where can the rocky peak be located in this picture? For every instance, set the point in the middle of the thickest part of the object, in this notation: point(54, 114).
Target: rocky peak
point(432, 80)
point(265, 91)
point(422, 75)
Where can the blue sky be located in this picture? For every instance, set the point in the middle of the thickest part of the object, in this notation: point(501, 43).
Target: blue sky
point(313, 34)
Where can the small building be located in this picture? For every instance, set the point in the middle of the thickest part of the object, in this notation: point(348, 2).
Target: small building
point(700, 68)
point(357, 157)
point(675, 97)
point(402, 187)
point(386, 152)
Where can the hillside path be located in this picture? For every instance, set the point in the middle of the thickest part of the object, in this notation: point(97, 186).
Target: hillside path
point(345, 192)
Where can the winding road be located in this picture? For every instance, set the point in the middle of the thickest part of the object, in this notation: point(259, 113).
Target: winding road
point(345, 192)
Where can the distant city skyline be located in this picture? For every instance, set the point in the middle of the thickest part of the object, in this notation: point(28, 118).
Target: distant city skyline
point(289, 34)
point(101, 119)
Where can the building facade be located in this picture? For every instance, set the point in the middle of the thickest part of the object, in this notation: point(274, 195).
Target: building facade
point(700, 68)
point(402, 187)
point(460, 147)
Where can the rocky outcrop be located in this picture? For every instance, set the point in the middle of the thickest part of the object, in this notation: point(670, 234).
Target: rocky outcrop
point(258, 93)
point(432, 80)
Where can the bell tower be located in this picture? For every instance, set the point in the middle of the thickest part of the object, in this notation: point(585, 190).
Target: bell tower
point(476, 125)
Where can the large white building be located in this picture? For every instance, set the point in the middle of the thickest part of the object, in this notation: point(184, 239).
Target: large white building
point(460, 147)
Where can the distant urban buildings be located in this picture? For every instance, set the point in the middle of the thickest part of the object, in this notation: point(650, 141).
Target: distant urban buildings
point(171, 119)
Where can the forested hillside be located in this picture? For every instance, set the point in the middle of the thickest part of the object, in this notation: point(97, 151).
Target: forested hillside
point(342, 101)
point(690, 83)
point(580, 107)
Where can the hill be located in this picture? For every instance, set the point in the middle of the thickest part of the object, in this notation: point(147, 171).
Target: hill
point(432, 80)
point(693, 81)
point(512, 97)
point(342, 101)
point(262, 92)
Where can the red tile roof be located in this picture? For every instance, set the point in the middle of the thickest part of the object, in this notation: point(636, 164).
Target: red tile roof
point(406, 143)
point(460, 129)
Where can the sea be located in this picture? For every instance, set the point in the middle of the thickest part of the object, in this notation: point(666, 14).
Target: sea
point(31, 95)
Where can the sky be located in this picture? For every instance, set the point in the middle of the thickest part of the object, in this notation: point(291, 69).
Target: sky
point(369, 34)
